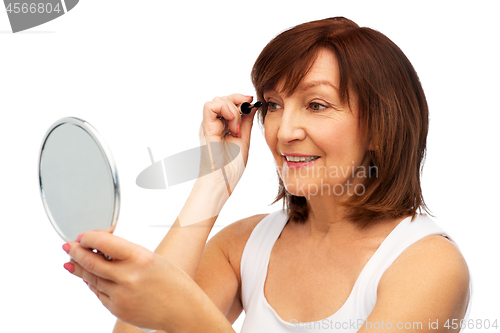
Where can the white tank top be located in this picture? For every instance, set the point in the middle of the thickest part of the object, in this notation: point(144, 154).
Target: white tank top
point(260, 317)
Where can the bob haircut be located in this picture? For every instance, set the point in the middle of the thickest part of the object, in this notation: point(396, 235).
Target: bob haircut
point(392, 110)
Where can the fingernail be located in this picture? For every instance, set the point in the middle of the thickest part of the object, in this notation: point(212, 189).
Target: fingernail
point(66, 247)
point(86, 282)
point(79, 238)
point(239, 134)
point(232, 114)
point(69, 267)
point(249, 96)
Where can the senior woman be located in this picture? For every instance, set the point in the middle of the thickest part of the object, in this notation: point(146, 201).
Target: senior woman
point(346, 120)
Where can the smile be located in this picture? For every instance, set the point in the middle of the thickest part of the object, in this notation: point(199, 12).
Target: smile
point(301, 158)
point(300, 162)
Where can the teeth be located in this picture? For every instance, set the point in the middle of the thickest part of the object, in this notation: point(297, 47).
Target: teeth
point(300, 159)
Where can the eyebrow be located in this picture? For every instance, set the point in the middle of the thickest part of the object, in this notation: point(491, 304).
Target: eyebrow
point(312, 84)
point(308, 85)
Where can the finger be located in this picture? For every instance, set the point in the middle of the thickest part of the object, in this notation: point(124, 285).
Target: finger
point(107, 243)
point(92, 262)
point(238, 99)
point(104, 285)
point(104, 298)
point(215, 118)
point(112, 228)
point(214, 110)
point(245, 121)
point(222, 111)
point(233, 124)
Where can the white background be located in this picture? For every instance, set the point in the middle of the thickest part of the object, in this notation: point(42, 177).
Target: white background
point(140, 73)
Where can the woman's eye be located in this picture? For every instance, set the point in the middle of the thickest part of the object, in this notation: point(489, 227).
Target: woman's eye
point(316, 106)
point(272, 106)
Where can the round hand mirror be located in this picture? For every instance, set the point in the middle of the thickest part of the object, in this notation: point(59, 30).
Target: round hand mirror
point(78, 179)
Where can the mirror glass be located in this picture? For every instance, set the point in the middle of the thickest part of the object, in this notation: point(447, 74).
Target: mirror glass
point(78, 179)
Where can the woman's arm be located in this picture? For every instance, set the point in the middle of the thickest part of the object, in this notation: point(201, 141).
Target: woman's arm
point(183, 246)
point(423, 289)
point(184, 243)
point(218, 272)
point(143, 288)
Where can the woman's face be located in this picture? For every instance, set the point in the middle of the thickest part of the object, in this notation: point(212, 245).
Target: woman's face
point(314, 121)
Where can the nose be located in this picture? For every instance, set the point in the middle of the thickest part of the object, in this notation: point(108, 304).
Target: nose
point(291, 127)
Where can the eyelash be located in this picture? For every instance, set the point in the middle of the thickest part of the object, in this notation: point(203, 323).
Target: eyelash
point(311, 103)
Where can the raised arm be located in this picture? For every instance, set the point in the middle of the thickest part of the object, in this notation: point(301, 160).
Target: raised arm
point(184, 243)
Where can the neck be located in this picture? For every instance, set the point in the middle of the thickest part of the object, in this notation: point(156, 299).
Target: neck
point(327, 220)
point(327, 224)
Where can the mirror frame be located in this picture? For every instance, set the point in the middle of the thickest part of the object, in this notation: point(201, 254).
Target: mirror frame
point(106, 152)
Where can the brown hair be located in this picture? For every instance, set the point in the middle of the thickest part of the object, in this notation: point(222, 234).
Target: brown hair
point(392, 110)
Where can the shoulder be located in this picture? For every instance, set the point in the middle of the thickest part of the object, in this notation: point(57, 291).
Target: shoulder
point(434, 254)
point(233, 238)
point(429, 280)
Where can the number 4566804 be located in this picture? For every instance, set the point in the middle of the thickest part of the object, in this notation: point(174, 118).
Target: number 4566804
point(33, 8)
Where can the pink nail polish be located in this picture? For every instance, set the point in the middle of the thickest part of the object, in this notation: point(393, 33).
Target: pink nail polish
point(79, 238)
point(66, 247)
point(86, 282)
point(232, 114)
point(69, 267)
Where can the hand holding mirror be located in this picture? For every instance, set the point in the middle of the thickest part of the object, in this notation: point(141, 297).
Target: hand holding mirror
point(78, 180)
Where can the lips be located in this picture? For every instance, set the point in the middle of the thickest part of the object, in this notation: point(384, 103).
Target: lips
point(300, 158)
point(296, 165)
point(296, 154)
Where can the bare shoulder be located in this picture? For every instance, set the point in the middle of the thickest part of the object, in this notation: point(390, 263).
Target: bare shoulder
point(233, 238)
point(433, 252)
point(432, 271)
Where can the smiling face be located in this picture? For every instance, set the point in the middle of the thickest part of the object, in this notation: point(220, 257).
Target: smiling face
point(314, 121)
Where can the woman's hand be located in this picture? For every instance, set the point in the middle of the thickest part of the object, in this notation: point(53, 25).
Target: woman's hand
point(138, 286)
point(223, 123)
